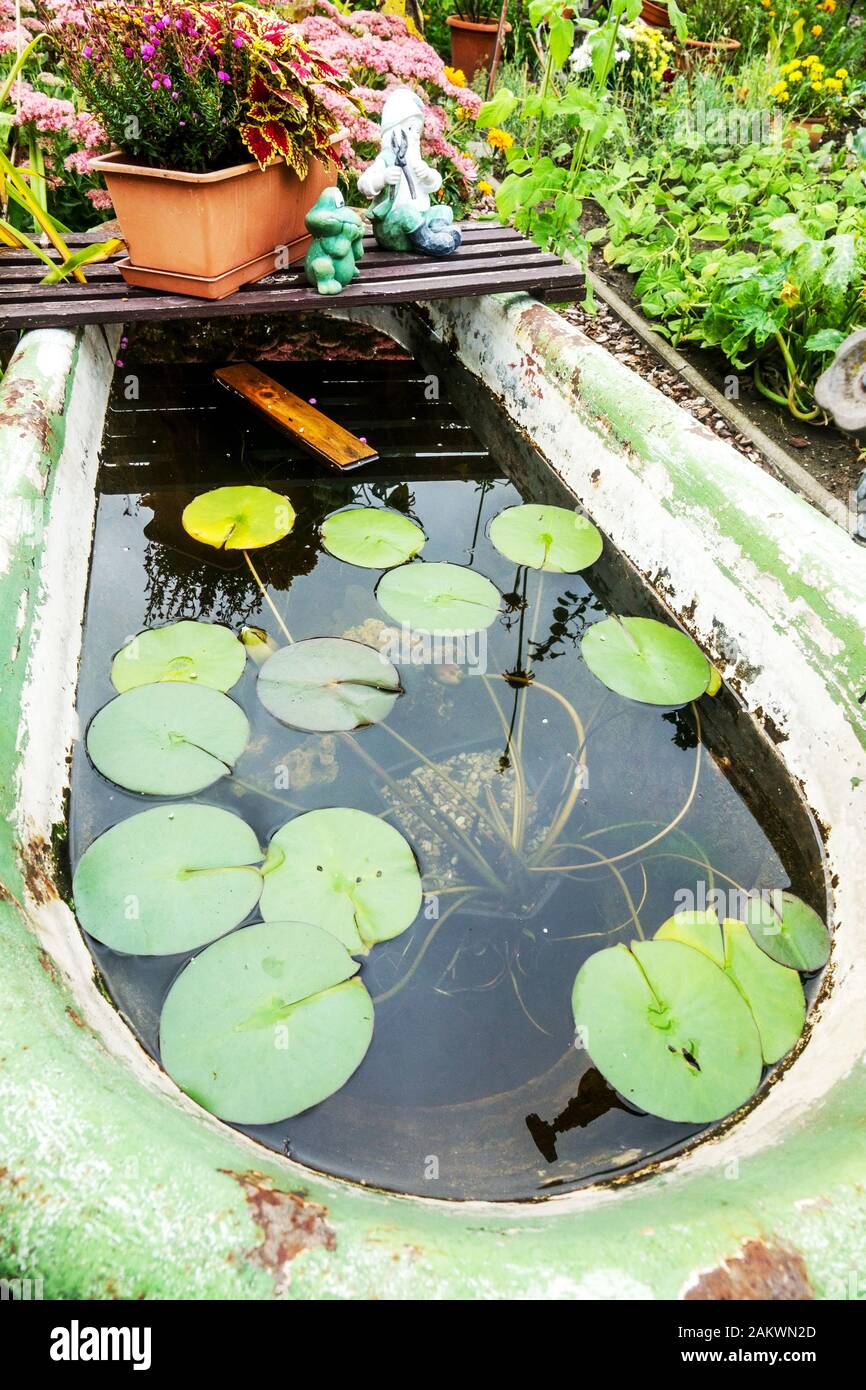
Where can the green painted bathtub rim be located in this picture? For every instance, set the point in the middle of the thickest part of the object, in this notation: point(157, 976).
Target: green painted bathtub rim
point(111, 1187)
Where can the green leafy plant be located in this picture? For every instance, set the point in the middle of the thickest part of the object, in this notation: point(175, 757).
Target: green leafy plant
point(543, 193)
point(25, 187)
point(760, 254)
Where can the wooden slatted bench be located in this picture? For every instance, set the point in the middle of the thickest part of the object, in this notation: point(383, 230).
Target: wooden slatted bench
point(491, 260)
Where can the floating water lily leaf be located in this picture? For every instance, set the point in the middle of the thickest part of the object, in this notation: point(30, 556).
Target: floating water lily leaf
point(327, 684)
point(239, 518)
point(646, 660)
point(703, 930)
point(168, 879)
point(372, 537)
point(788, 930)
point(168, 739)
point(203, 653)
point(266, 1023)
point(348, 872)
point(773, 992)
point(546, 538)
point(439, 598)
point(668, 1029)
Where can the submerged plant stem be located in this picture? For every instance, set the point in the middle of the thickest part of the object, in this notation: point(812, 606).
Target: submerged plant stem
point(267, 598)
point(425, 946)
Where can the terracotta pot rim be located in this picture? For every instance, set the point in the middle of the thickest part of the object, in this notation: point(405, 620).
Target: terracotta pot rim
point(489, 27)
point(729, 45)
point(116, 162)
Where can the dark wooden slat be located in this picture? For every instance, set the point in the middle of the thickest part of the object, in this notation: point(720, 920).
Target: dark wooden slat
point(374, 270)
point(492, 260)
point(26, 271)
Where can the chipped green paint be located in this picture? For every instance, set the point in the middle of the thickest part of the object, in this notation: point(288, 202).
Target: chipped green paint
point(114, 1185)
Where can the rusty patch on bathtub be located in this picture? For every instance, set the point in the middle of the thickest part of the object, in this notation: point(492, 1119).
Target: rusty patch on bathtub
point(289, 1223)
point(759, 1270)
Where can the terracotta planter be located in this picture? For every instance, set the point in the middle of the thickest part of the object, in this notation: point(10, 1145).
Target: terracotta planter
point(654, 14)
point(813, 127)
point(706, 52)
point(472, 44)
point(213, 232)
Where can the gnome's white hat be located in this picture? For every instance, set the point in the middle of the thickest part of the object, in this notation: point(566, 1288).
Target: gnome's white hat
point(401, 105)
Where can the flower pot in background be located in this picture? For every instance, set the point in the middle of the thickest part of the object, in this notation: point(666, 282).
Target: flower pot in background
point(472, 44)
point(208, 234)
point(655, 14)
point(706, 53)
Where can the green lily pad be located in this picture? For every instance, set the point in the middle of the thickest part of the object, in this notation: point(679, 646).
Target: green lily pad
point(372, 537)
point(772, 991)
point(646, 660)
point(703, 930)
point(203, 653)
point(266, 1023)
point(239, 518)
point(348, 872)
point(168, 739)
point(327, 684)
point(168, 879)
point(439, 598)
point(668, 1030)
point(793, 935)
point(546, 538)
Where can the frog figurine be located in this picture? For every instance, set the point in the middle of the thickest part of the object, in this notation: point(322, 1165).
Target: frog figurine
point(332, 260)
point(403, 219)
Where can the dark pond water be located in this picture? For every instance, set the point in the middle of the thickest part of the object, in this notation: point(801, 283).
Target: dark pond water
point(472, 1086)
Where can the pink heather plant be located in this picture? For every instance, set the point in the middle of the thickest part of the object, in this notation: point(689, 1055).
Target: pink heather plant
point(43, 107)
point(377, 52)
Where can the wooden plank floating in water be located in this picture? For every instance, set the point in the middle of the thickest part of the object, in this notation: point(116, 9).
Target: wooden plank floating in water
point(309, 428)
point(491, 260)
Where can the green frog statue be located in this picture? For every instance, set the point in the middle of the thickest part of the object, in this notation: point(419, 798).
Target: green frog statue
point(332, 260)
point(403, 219)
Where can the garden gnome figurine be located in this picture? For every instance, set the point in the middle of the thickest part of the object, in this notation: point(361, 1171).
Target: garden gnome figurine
point(403, 219)
point(332, 260)
point(841, 391)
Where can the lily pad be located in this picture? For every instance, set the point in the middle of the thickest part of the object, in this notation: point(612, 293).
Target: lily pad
point(327, 684)
point(203, 653)
point(372, 537)
point(789, 931)
point(346, 871)
point(546, 538)
point(266, 1023)
point(239, 518)
point(168, 879)
point(772, 991)
point(168, 739)
point(703, 930)
point(646, 660)
point(668, 1029)
point(439, 598)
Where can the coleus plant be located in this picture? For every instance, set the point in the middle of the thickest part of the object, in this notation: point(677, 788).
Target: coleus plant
point(197, 86)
